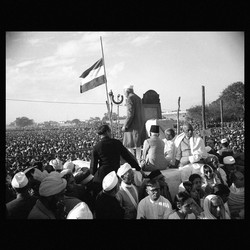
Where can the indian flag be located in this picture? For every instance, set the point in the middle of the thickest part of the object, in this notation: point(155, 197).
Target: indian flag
point(93, 77)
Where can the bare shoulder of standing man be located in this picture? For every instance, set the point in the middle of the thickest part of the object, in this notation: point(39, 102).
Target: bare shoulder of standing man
point(133, 126)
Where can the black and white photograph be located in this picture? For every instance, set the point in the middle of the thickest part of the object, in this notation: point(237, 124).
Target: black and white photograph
point(125, 125)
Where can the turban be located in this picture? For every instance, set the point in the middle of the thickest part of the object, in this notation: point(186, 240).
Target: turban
point(52, 184)
point(38, 175)
point(109, 181)
point(123, 169)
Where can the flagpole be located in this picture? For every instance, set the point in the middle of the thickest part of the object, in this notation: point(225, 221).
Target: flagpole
point(108, 104)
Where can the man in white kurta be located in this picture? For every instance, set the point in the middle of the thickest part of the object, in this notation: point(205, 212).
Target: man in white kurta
point(190, 151)
point(169, 149)
point(128, 193)
point(190, 147)
point(154, 206)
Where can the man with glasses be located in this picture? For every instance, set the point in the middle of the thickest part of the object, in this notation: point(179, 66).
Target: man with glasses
point(154, 206)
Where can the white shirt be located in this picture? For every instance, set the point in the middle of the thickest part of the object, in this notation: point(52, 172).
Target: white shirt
point(168, 149)
point(159, 209)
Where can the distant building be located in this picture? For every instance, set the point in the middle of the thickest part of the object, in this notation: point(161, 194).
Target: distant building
point(172, 115)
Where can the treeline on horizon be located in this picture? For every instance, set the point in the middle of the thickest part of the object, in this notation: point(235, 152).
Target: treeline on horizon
point(233, 100)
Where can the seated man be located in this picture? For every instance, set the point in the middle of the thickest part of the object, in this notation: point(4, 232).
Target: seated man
point(190, 147)
point(164, 189)
point(169, 146)
point(154, 206)
point(153, 152)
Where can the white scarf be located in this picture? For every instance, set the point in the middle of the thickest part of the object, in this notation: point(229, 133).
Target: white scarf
point(125, 186)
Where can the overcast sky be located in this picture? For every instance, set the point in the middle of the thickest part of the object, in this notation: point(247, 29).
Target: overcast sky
point(45, 67)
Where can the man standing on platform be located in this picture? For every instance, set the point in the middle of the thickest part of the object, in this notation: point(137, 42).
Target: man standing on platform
point(133, 126)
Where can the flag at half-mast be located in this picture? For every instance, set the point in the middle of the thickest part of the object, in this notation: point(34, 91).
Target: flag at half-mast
point(93, 77)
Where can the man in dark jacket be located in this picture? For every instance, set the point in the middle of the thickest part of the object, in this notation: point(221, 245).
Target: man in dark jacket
point(134, 123)
point(20, 207)
point(106, 154)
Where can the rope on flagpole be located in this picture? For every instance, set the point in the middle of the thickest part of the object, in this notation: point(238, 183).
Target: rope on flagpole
point(107, 102)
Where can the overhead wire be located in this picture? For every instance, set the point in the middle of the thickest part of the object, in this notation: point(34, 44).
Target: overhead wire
point(20, 100)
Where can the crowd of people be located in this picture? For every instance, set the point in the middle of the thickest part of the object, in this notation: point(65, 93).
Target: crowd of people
point(40, 174)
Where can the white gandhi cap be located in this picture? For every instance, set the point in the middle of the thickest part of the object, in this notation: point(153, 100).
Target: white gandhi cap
point(19, 180)
point(109, 181)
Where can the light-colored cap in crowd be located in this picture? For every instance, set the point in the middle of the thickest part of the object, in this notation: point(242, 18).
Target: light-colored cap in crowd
point(223, 140)
point(228, 160)
point(109, 181)
point(123, 169)
point(81, 211)
point(52, 184)
point(19, 180)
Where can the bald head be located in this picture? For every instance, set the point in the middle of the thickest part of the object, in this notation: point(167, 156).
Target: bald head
point(188, 130)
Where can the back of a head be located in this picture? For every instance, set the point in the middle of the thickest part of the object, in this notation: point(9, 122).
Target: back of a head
point(221, 189)
point(170, 131)
point(39, 165)
point(103, 129)
point(181, 197)
point(49, 168)
point(155, 129)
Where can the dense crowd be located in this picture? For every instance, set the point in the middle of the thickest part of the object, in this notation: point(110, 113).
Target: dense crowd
point(26, 148)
